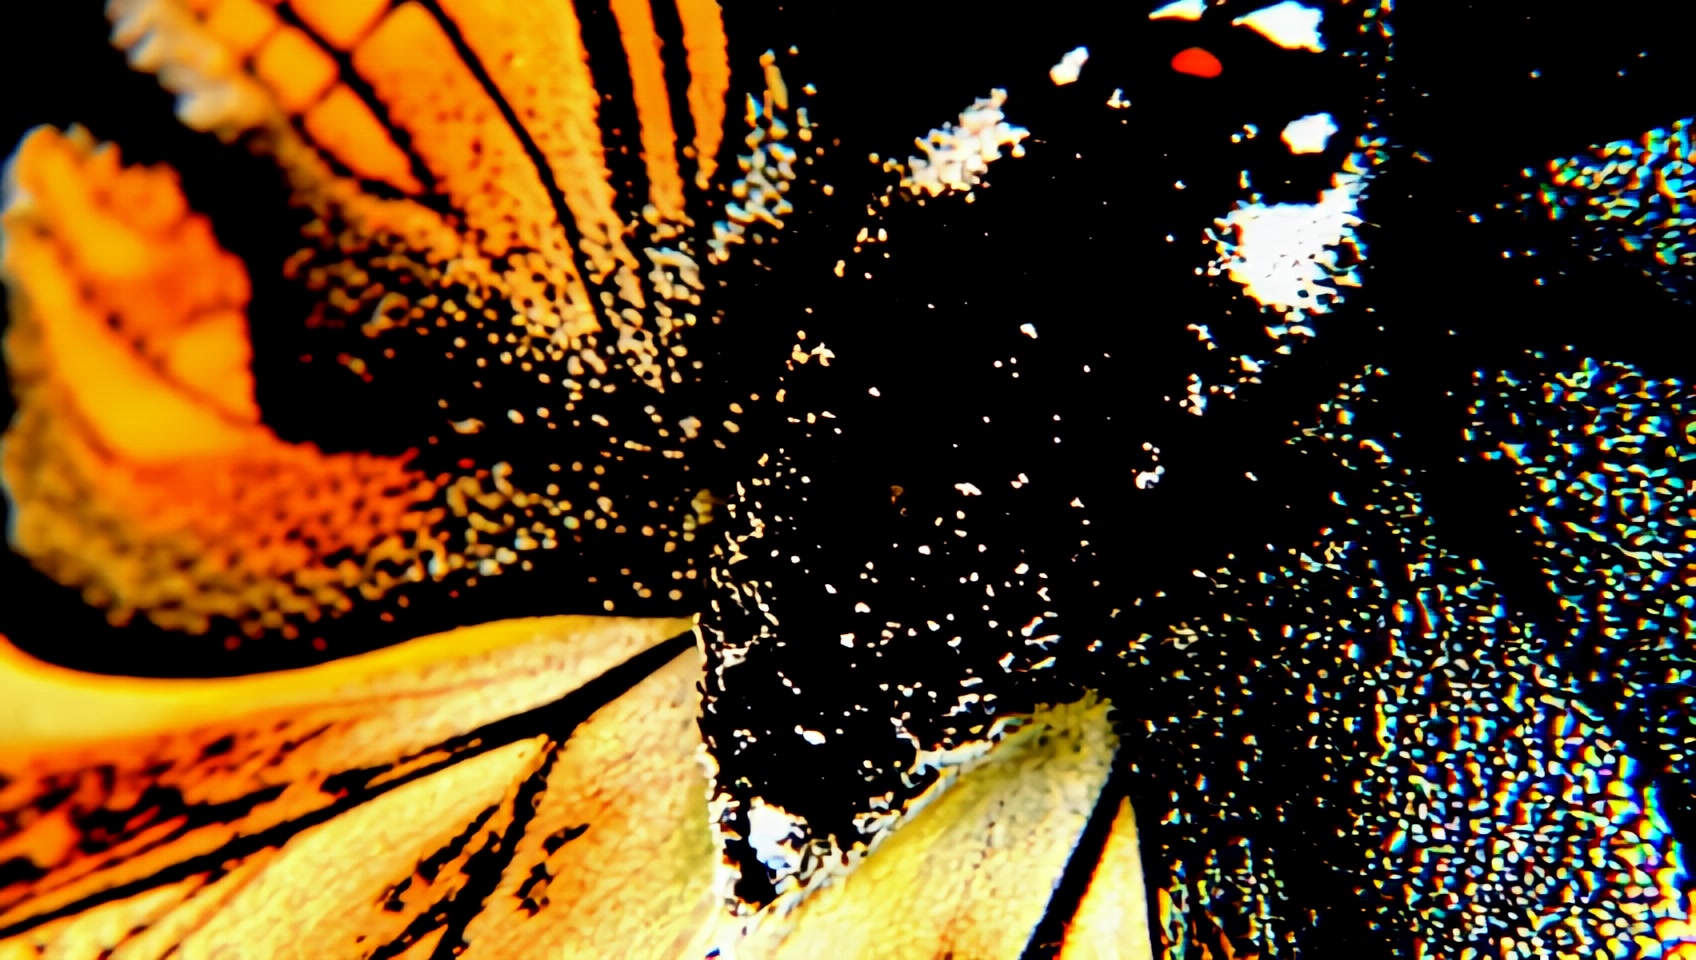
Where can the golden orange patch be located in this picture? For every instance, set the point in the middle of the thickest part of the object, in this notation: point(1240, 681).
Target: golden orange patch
point(241, 24)
point(340, 22)
point(345, 128)
point(295, 69)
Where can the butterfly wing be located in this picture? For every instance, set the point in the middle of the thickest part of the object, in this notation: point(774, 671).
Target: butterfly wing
point(111, 783)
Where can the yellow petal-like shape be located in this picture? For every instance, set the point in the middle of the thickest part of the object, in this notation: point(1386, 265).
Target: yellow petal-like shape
point(619, 860)
point(972, 872)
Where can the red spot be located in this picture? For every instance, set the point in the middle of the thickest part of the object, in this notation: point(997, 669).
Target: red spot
point(1197, 63)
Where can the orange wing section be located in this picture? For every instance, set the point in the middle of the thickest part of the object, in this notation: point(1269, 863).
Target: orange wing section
point(450, 166)
point(709, 80)
point(653, 108)
point(387, 805)
point(136, 464)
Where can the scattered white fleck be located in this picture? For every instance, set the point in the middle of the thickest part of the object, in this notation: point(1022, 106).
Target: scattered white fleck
point(811, 736)
point(968, 489)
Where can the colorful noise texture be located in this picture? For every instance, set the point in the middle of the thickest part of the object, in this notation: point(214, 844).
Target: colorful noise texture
point(1643, 190)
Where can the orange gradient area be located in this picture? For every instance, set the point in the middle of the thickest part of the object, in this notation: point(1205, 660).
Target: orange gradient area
point(136, 464)
point(653, 108)
point(444, 182)
point(1197, 62)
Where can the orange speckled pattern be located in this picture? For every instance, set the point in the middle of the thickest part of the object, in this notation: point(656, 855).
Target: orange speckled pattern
point(442, 181)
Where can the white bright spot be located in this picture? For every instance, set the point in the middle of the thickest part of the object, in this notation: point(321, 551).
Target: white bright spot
point(1070, 65)
point(1291, 25)
point(811, 736)
point(1028, 329)
point(1285, 255)
point(1180, 10)
point(968, 489)
point(772, 832)
point(1310, 134)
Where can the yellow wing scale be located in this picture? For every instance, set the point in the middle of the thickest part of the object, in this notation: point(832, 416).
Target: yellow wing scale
point(598, 839)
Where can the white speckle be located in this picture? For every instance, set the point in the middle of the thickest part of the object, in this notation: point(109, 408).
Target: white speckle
point(873, 392)
point(1310, 134)
point(1028, 329)
point(1146, 479)
point(968, 489)
point(1291, 25)
point(1180, 10)
point(772, 832)
point(811, 736)
point(1070, 65)
point(862, 608)
point(1117, 101)
point(847, 640)
point(956, 157)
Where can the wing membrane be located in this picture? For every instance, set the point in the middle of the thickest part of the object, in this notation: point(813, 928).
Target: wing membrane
point(109, 781)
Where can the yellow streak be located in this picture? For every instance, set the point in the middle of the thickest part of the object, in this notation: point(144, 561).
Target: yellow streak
point(653, 107)
point(1112, 920)
point(43, 705)
point(709, 80)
